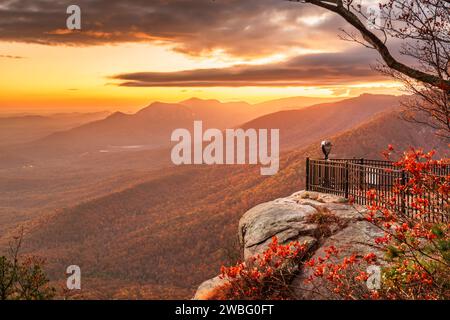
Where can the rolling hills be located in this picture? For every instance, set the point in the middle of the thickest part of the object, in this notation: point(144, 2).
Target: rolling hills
point(176, 227)
point(27, 128)
point(301, 127)
point(148, 128)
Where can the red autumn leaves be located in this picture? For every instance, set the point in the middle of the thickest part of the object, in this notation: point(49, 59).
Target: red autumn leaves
point(415, 246)
point(264, 276)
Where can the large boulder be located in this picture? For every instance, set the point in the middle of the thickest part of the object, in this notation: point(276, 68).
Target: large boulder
point(285, 219)
point(205, 290)
point(311, 218)
point(357, 238)
point(295, 218)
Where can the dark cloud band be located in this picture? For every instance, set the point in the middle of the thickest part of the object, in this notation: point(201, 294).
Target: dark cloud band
point(237, 27)
point(6, 56)
point(307, 70)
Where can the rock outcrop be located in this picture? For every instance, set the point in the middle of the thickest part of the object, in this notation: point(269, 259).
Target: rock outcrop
point(205, 289)
point(315, 219)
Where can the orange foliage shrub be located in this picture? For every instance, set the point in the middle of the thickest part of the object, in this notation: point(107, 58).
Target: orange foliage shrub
point(264, 276)
point(416, 243)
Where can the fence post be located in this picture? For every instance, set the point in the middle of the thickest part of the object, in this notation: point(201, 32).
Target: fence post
point(403, 193)
point(346, 180)
point(361, 174)
point(307, 174)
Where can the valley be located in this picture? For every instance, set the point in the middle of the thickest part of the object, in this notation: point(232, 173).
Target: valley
point(140, 227)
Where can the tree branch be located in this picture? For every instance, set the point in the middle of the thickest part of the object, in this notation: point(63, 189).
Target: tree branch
point(337, 7)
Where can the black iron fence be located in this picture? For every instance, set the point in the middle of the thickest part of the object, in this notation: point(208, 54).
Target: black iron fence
point(352, 178)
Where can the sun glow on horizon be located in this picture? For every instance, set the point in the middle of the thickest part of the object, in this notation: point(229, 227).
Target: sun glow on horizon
point(69, 78)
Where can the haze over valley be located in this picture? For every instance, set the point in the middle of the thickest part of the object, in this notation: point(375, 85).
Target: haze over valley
point(105, 193)
point(135, 135)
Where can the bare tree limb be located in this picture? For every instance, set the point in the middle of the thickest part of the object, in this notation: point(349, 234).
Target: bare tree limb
point(337, 7)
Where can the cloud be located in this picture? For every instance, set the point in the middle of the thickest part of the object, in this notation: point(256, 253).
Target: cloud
point(307, 70)
point(239, 28)
point(6, 56)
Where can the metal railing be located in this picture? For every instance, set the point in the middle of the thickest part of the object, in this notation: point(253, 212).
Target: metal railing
point(352, 178)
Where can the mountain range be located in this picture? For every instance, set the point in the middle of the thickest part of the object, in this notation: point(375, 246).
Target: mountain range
point(140, 227)
point(26, 128)
point(151, 127)
point(148, 128)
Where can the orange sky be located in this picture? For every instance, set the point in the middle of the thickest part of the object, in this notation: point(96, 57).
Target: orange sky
point(77, 77)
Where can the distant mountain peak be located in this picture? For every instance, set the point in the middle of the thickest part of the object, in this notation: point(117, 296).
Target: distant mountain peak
point(161, 104)
point(158, 107)
point(116, 114)
point(197, 102)
point(196, 99)
point(375, 95)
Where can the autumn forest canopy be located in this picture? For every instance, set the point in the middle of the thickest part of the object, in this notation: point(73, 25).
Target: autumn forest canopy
point(135, 135)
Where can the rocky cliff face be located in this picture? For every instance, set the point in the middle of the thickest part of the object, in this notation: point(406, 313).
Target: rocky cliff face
point(318, 220)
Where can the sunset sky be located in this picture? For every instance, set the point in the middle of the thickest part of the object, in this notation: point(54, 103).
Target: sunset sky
point(130, 53)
